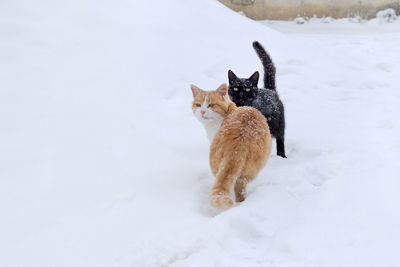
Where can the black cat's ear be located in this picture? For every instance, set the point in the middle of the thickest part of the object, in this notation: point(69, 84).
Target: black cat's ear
point(195, 90)
point(231, 76)
point(222, 89)
point(254, 78)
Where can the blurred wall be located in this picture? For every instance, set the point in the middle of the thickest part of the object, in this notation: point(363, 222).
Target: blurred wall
point(287, 9)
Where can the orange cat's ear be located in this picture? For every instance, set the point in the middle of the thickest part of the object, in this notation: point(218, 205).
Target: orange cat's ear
point(223, 89)
point(195, 90)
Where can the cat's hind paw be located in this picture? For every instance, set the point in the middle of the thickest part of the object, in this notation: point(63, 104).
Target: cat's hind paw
point(221, 201)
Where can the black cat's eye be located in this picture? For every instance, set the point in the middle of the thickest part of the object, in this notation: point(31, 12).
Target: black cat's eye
point(198, 105)
point(247, 89)
point(211, 105)
point(235, 89)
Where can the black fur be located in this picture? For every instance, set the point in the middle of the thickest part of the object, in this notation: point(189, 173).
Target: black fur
point(269, 67)
point(265, 99)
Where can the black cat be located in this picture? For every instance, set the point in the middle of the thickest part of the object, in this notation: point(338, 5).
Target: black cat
point(244, 92)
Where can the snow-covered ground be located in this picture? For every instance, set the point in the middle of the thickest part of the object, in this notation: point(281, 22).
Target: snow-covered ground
point(102, 162)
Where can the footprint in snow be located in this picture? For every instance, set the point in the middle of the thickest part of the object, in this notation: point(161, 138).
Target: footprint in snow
point(384, 67)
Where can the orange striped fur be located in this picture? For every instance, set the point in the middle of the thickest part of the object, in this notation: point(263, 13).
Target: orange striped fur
point(240, 147)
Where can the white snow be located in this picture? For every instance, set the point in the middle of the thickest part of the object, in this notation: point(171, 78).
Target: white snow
point(102, 162)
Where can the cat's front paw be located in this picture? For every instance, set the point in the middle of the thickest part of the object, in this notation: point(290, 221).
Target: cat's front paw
point(221, 201)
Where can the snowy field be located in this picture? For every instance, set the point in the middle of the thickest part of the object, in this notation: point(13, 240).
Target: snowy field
point(102, 162)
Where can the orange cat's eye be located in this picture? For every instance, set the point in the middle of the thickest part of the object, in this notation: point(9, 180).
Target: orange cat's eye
point(235, 89)
point(211, 105)
point(247, 89)
point(198, 105)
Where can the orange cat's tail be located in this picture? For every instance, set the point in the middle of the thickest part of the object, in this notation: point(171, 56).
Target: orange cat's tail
point(226, 176)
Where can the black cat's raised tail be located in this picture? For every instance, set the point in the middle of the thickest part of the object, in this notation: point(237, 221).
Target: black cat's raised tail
point(269, 67)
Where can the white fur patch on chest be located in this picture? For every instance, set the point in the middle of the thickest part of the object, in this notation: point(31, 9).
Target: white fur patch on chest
point(212, 128)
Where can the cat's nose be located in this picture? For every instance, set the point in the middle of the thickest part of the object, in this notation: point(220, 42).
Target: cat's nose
point(202, 112)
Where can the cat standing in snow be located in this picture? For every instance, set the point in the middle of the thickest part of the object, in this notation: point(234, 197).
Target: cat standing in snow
point(244, 92)
point(241, 142)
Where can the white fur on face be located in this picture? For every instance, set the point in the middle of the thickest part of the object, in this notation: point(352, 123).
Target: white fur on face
point(211, 120)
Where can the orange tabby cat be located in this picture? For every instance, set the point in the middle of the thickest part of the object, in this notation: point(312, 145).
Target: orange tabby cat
point(241, 142)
